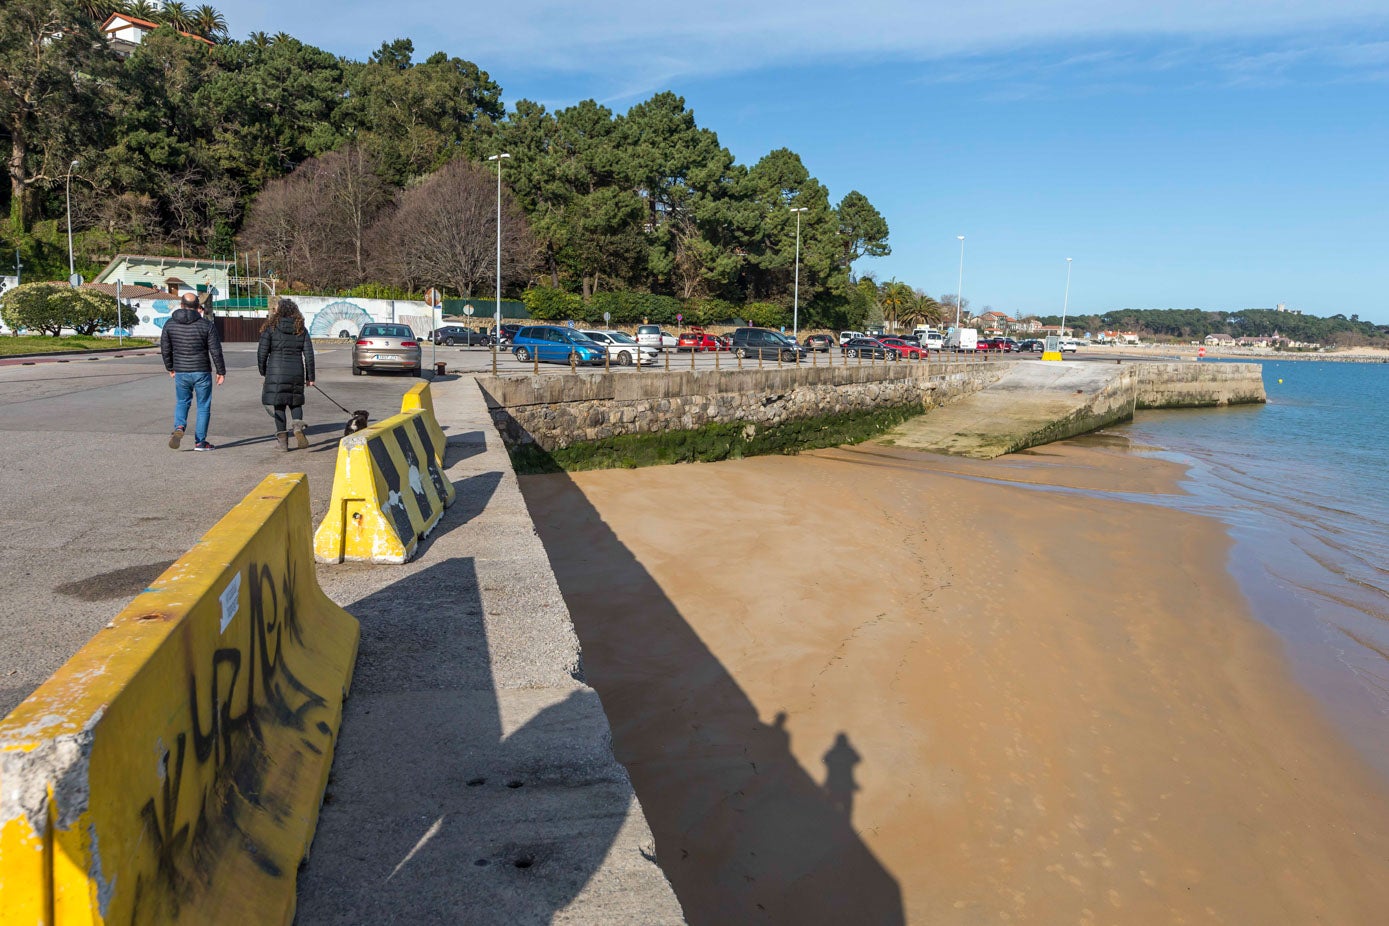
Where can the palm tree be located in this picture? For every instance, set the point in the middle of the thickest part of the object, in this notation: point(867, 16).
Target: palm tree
point(209, 23)
point(895, 297)
point(178, 15)
point(98, 9)
point(141, 9)
point(259, 39)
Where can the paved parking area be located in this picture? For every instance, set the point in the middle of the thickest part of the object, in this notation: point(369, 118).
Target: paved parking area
point(94, 504)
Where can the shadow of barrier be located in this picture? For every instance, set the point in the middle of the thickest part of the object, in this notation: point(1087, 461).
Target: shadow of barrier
point(172, 771)
point(389, 489)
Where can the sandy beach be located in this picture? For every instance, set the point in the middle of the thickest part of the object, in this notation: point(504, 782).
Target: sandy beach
point(871, 686)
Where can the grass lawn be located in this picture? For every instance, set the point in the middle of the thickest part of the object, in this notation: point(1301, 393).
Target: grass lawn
point(41, 344)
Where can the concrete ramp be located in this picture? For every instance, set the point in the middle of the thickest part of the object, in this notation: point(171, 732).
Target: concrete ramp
point(1033, 403)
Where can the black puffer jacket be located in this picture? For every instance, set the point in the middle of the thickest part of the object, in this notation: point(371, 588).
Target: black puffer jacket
point(285, 359)
point(188, 341)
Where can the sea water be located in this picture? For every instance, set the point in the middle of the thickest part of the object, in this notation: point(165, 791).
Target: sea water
point(1303, 484)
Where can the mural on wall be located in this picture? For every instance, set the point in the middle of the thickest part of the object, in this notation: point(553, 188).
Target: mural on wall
point(339, 320)
point(420, 324)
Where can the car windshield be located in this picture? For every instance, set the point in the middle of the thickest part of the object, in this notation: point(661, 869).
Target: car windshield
point(578, 337)
point(621, 338)
point(387, 331)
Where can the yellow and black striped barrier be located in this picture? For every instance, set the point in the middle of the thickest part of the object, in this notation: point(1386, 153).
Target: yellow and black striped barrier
point(172, 771)
point(420, 398)
point(389, 490)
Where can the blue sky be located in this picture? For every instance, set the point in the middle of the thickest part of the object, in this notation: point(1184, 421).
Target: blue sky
point(1221, 154)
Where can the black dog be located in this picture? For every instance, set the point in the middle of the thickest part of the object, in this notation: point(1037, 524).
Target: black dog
point(358, 422)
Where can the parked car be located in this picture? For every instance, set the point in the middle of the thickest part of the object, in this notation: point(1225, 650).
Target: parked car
point(553, 344)
point(1069, 345)
point(696, 340)
point(386, 347)
point(508, 332)
point(767, 344)
point(654, 336)
point(1031, 345)
point(904, 348)
point(819, 342)
point(846, 336)
point(623, 349)
point(869, 348)
point(998, 345)
point(450, 335)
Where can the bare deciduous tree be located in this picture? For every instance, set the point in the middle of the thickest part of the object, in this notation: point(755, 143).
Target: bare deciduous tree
point(444, 232)
point(313, 225)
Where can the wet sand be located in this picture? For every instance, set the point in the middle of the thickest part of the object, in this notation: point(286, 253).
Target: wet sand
point(865, 685)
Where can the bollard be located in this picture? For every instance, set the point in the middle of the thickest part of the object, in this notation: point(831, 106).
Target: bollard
point(439, 367)
point(666, 354)
point(494, 359)
point(740, 359)
point(572, 367)
point(814, 361)
point(692, 353)
point(778, 360)
point(759, 358)
point(716, 360)
point(607, 357)
point(535, 362)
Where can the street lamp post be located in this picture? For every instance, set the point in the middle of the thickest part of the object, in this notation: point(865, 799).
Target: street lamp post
point(960, 287)
point(1065, 303)
point(796, 298)
point(497, 322)
point(72, 270)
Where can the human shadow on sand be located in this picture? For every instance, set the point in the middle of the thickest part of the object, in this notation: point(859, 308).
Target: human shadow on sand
point(744, 834)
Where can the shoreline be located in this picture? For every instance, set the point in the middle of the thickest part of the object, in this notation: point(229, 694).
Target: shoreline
point(1028, 729)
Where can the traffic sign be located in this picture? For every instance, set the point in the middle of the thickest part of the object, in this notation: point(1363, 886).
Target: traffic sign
point(432, 298)
point(75, 280)
point(571, 323)
point(607, 316)
point(468, 309)
point(679, 317)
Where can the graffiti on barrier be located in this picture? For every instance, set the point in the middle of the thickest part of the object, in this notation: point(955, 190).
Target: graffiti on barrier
point(238, 698)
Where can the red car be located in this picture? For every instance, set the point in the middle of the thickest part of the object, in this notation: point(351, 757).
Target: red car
point(998, 344)
point(698, 340)
point(906, 349)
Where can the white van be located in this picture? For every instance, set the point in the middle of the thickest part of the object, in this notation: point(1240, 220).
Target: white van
point(929, 338)
point(962, 339)
point(846, 336)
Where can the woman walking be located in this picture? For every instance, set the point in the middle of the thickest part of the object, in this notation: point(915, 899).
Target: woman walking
point(285, 359)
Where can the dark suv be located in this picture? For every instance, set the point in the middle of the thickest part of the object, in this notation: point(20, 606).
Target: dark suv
point(450, 335)
point(767, 344)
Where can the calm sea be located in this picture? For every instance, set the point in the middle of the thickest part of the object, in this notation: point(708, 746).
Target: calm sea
point(1303, 484)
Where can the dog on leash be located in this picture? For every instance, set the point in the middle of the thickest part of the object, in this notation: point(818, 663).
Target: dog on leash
point(358, 422)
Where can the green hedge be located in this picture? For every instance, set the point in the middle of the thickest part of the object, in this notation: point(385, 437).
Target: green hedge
point(51, 307)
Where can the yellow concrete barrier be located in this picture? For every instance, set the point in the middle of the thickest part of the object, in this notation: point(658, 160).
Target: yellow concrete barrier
point(389, 491)
point(420, 398)
point(172, 771)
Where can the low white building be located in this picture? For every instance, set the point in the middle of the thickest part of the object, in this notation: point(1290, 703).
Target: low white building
point(124, 32)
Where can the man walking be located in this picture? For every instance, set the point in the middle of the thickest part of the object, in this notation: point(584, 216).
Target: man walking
point(191, 350)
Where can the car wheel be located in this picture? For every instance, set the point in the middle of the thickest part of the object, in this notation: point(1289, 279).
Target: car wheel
point(742, 354)
point(522, 354)
point(448, 342)
point(419, 370)
point(356, 370)
point(624, 359)
point(850, 353)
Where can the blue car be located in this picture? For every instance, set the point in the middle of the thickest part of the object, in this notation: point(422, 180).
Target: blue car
point(554, 344)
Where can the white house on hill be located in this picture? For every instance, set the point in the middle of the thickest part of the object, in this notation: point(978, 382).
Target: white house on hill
point(126, 32)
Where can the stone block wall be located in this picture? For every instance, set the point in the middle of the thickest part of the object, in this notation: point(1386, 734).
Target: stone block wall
point(1199, 385)
point(555, 411)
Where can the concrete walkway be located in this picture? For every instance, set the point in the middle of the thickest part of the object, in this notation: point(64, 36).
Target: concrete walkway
point(475, 781)
point(1031, 404)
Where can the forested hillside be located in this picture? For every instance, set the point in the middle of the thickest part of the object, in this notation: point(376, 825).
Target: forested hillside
point(1195, 324)
point(339, 173)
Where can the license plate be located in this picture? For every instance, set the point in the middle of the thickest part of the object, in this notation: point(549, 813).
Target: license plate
point(375, 356)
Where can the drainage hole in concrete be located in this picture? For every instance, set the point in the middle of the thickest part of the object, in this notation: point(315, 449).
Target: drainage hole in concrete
point(515, 784)
point(481, 863)
point(474, 782)
point(524, 861)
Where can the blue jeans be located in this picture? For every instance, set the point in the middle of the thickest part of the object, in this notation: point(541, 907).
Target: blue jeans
point(186, 386)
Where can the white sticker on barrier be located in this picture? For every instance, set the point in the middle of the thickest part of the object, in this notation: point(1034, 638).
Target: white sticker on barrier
point(231, 601)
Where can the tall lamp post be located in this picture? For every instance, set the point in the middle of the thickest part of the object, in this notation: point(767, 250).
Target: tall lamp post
point(497, 322)
point(72, 270)
point(796, 298)
point(960, 287)
point(1066, 302)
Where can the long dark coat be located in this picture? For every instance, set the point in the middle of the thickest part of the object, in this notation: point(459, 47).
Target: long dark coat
point(285, 359)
